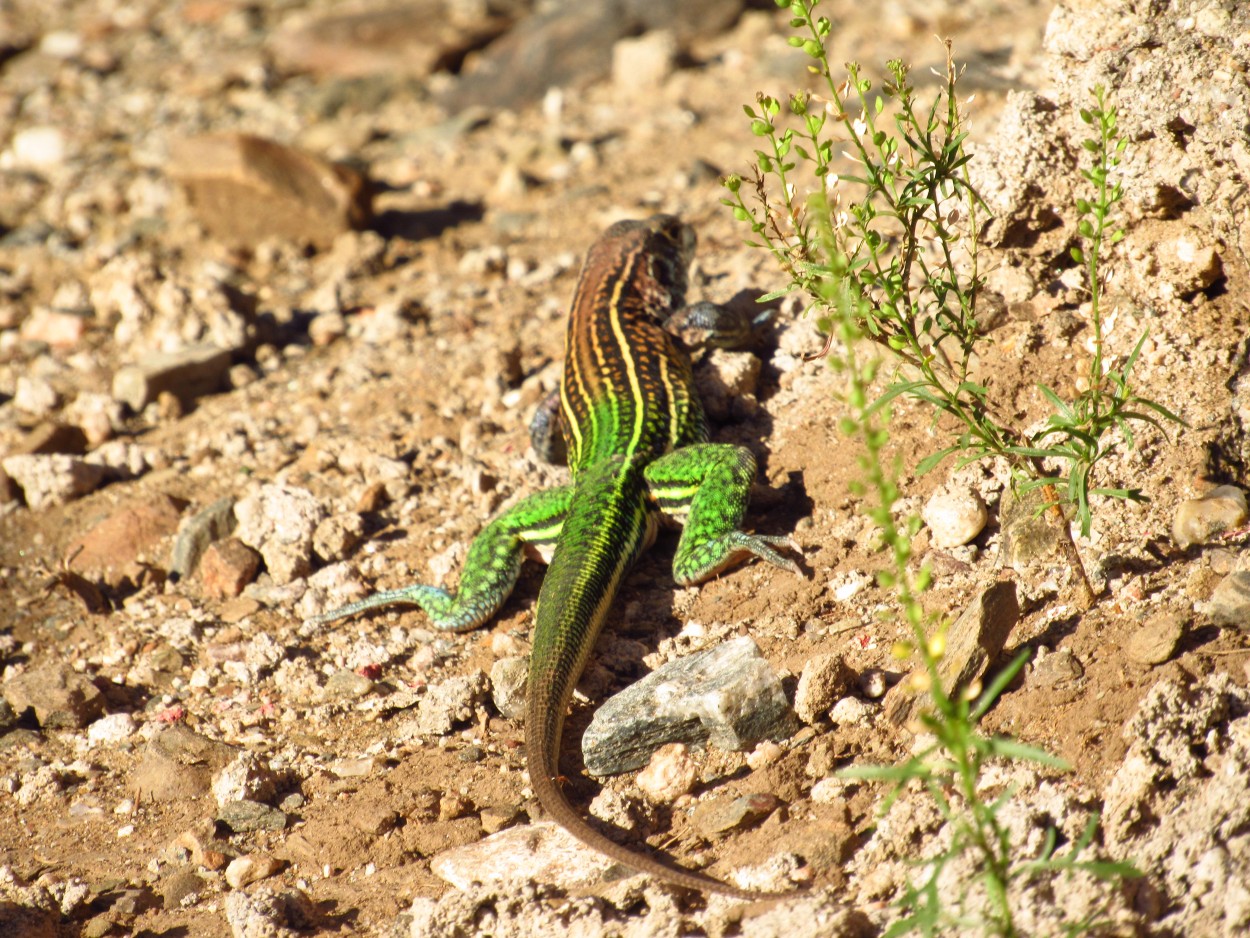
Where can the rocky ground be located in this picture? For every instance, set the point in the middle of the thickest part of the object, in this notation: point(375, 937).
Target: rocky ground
point(280, 288)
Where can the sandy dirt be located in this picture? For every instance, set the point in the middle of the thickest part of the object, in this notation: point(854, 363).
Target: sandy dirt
point(387, 378)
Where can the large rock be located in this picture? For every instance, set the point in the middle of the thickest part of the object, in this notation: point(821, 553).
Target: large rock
point(60, 697)
point(246, 189)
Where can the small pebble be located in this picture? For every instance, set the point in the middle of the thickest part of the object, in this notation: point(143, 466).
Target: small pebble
point(873, 684)
point(670, 774)
point(955, 517)
point(1200, 519)
point(250, 868)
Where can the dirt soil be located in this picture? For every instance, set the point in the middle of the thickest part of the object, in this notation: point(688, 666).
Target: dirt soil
point(372, 411)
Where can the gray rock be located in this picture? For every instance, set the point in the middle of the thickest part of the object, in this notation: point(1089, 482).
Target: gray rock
point(246, 815)
point(197, 532)
point(508, 678)
point(60, 697)
point(728, 695)
point(188, 374)
point(571, 45)
point(1230, 603)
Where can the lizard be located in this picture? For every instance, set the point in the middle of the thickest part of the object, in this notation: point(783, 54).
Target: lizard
point(636, 443)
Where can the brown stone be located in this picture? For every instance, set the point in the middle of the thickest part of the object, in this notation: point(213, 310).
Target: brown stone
point(431, 838)
point(1155, 641)
point(416, 38)
point(60, 697)
point(245, 189)
point(227, 566)
point(187, 374)
point(973, 642)
point(179, 764)
point(112, 548)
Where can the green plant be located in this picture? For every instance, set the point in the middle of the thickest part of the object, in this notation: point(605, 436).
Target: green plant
point(886, 253)
point(951, 766)
point(901, 224)
point(1075, 433)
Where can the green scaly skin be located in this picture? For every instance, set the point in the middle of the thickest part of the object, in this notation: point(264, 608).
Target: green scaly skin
point(637, 449)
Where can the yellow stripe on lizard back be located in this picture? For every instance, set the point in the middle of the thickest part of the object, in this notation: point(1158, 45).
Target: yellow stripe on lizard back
point(627, 388)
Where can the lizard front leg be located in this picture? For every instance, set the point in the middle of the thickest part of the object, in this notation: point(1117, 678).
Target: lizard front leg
point(490, 570)
point(705, 487)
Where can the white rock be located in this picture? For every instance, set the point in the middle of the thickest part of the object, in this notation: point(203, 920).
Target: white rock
point(52, 479)
point(245, 778)
point(250, 868)
point(517, 856)
point(643, 63)
point(670, 774)
point(61, 44)
point(954, 516)
point(111, 729)
point(279, 521)
point(37, 148)
point(35, 396)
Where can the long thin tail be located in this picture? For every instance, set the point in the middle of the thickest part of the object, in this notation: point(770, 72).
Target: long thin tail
point(605, 530)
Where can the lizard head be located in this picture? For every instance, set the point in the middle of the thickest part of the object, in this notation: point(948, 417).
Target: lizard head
point(666, 244)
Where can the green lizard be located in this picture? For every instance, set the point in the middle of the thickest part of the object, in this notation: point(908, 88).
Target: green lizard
point(637, 449)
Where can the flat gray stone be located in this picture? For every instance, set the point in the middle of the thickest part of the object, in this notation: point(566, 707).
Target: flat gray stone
point(728, 696)
point(197, 532)
point(1230, 603)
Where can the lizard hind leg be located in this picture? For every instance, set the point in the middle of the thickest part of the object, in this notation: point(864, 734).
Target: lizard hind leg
point(706, 487)
point(490, 569)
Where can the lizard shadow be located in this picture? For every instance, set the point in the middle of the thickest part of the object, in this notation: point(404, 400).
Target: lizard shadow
point(427, 223)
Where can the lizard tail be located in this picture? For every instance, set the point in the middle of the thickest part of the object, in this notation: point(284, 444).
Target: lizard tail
point(604, 532)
